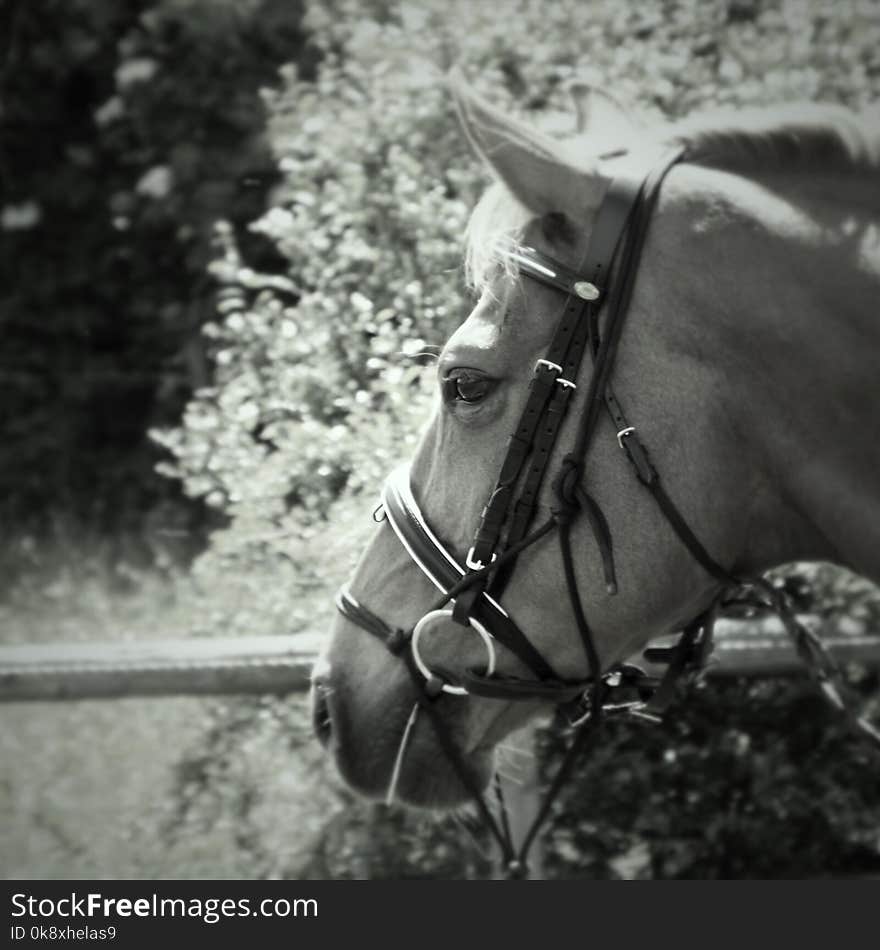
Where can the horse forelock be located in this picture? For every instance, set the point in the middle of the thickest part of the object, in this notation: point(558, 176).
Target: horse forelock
point(497, 223)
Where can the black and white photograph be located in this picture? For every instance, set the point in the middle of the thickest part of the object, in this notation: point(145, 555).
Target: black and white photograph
point(439, 440)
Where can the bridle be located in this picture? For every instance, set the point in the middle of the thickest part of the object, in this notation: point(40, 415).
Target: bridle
point(602, 286)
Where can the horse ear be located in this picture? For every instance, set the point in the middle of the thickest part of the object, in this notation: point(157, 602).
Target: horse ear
point(535, 168)
point(603, 116)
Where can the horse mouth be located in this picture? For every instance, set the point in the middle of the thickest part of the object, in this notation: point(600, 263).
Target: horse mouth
point(427, 781)
point(384, 764)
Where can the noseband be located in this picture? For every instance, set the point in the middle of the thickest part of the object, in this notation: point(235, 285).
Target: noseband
point(475, 588)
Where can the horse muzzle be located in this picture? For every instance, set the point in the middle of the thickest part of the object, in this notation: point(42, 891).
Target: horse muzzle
point(393, 755)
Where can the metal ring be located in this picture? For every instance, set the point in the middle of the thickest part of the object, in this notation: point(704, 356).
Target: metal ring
point(623, 433)
point(422, 666)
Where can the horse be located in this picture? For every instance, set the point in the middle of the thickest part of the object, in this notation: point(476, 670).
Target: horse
point(748, 368)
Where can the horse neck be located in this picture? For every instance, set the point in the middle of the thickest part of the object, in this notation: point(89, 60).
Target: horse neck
point(795, 279)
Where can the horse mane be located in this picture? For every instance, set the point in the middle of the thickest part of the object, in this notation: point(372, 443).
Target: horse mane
point(790, 138)
point(802, 137)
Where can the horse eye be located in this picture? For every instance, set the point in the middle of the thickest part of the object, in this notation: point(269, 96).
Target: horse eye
point(467, 387)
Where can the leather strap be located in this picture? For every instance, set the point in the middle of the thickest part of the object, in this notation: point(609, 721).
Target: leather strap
point(614, 215)
point(542, 418)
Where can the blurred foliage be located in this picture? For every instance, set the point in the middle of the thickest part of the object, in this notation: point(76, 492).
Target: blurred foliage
point(127, 129)
point(745, 779)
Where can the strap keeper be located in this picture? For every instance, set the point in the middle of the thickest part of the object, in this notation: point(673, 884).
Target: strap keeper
point(638, 455)
point(396, 641)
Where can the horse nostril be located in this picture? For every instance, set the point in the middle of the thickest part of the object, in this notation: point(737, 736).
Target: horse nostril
point(321, 720)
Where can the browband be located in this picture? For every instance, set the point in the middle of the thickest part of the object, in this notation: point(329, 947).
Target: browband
point(610, 225)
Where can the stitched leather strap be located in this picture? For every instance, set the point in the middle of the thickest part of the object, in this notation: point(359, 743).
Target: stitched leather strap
point(541, 420)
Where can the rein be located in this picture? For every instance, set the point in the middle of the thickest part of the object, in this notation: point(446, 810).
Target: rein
point(506, 529)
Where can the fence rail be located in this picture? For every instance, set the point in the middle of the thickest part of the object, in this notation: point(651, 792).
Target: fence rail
point(277, 665)
point(180, 667)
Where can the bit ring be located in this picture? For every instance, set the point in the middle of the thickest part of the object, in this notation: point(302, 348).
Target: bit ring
point(419, 629)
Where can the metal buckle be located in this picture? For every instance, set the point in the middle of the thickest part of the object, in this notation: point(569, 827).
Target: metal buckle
point(624, 432)
point(556, 368)
point(551, 366)
point(476, 565)
point(638, 712)
point(419, 628)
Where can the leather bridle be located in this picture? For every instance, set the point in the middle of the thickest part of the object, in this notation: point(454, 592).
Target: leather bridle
point(602, 286)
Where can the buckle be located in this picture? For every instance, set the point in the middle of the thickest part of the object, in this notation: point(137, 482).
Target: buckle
point(477, 565)
point(556, 368)
point(436, 683)
point(553, 367)
point(623, 433)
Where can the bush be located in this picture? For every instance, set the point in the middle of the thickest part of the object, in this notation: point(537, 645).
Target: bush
point(127, 130)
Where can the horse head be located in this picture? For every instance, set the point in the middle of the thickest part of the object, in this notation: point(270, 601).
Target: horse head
point(693, 372)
